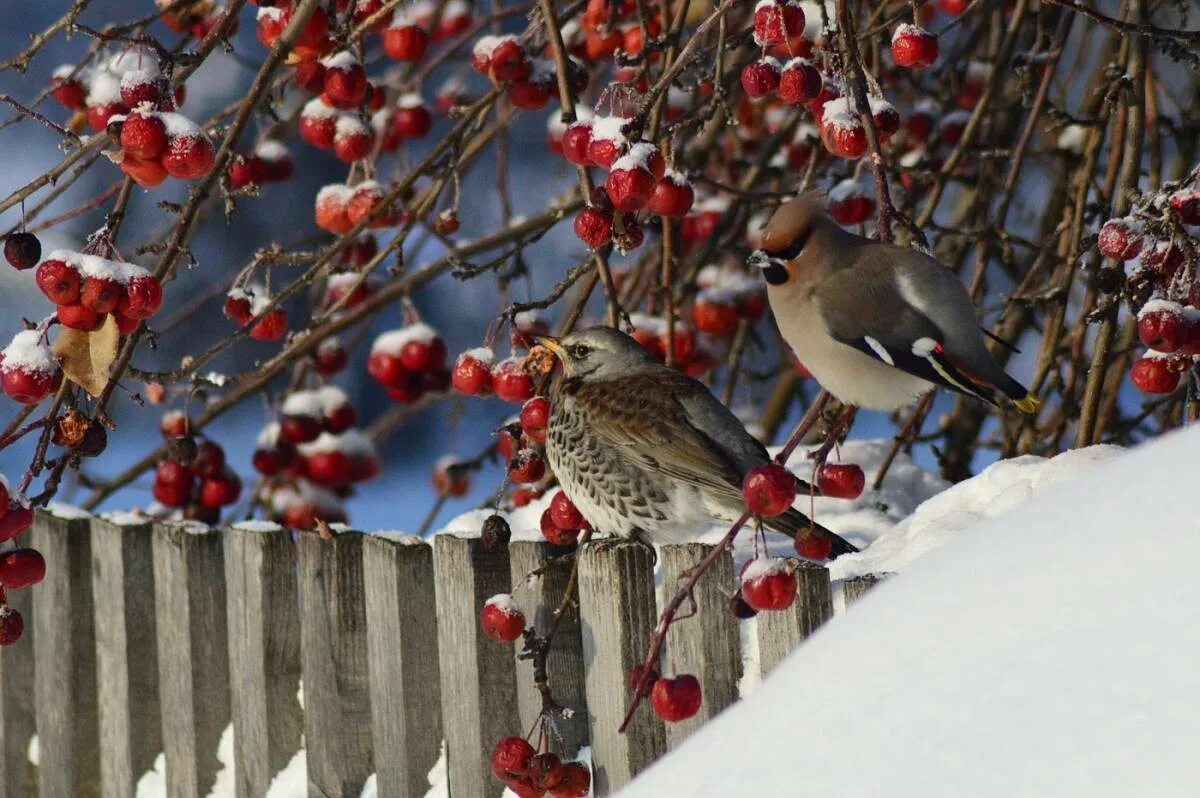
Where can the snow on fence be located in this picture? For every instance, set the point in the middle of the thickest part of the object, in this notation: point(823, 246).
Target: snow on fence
point(149, 638)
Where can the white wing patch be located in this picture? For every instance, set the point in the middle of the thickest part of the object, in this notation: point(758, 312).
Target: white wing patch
point(878, 349)
point(924, 347)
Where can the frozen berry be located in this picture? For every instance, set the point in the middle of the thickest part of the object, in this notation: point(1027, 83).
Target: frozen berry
point(769, 583)
point(553, 533)
point(527, 467)
point(813, 547)
point(511, 756)
point(1162, 326)
point(60, 281)
point(564, 513)
point(1154, 375)
point(11, 626)
point(1120, 239)
point(502, 621)
point(535, 416)
point(510, 382)
point(913, 47)
point(594, 227)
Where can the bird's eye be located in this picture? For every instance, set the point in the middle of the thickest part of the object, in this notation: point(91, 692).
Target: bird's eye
point(580, 351)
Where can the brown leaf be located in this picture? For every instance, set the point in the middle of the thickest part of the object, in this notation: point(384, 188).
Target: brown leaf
point(86, 356)
point(323, 530)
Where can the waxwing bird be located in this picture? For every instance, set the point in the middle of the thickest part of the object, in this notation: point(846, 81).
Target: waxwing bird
point(645, 451)
point(876, 324)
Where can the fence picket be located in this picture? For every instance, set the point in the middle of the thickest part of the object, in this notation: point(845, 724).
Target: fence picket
point(18, 776)
point(126, 652)
point(856, 587)
point(781, 631)
point(616, 596)
point(478, 676)
point(406, 706)
point(64, 646)
point(333, 659)
point(193, 654)
point(264, 652)
point(706, 645)
point(540, 597)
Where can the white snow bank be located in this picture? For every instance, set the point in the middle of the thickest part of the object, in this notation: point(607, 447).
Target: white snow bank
point(1050, 652)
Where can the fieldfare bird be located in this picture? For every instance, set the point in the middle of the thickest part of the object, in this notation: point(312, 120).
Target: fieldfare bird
point(647, 452)
point(876, 324)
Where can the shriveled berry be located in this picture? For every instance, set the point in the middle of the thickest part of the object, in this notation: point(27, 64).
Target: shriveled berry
point(22, 250)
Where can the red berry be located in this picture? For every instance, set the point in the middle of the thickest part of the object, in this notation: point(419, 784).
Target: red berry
point(424, 355)
point(386, 368)
point(769, 583)
point(775, 23)
point(4, 497)
point(564, 513)
point(25, 384)
point(405, 43)
point(1187, 205)
point(575, 142)
point(299, 428)
point(760, 78)
point(209, 459)
point(221, 490)
point(15, 521)
point(450, 481)
point(527, 467)
point(712, 314)
point(143, 135)
point(22, 250)
point(345, 81)
point(511, 755)
point(270, 327)
point(247, 170)
point(850, 204)
point(330, 468)
point(673, 196)
point(1162, 326)
point(100, 294)
point(68, 91)
point(813, 546)
point(594, 227)
point(77, 317)
point(769, 489)
point(545, 770)
point(1120, 239)
point(503, 621)
point(841, 480)
point(799, 82)
point(954, 7)
point(340, 418)
point(472, 374)
point(330, 358)
point(351, 139)
point(629, 186)
point(270, 462)
point(510, 382)
point(318, 124)
point(1154, 375)
point(412, 120)
point(141, 298)
point(842, 131)
point(238, 309)
point(676, 699)
point(575, 782)
point(554, 534)
point(535, 416)
point(508, 61)
point(913, 47)
point(173, 484)
point(188, 156)
point(11, 626)
point(886, 117)
point(60, 281)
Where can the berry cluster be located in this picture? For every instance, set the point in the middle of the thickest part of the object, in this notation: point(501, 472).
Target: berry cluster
point(87, 288)
point(1160, 250)
point(410, 362)
point(476, 373)
point(244, 305)
point(194, 476)
point(532, 775)
point(561, 521)
point(269, 162)
point(19, 567)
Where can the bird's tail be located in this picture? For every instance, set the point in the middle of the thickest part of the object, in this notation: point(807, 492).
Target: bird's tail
point(794, 523)
point(1021, 396)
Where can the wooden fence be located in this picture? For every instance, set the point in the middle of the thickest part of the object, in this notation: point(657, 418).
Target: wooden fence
point(148, 638)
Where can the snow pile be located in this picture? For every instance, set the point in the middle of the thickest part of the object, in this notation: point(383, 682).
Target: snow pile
point(1050, 652)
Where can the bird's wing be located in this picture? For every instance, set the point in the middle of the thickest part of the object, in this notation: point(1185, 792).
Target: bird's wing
point(862, 308)
point(646, 420)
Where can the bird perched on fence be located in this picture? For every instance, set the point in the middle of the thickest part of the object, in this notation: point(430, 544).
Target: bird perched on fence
point(876, 324)
point(645, 451)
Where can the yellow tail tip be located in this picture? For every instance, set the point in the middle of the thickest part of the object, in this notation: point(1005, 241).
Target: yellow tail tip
point(1027, 405)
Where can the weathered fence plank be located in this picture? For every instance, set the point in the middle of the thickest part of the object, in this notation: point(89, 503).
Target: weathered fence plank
point(406, 704)
point(856, 587)
point(264, 652)
point(193, 654)
point(18, 776)
point(64, 646)
point(564, 665)
point(780, 631)
point(616, 596)
point(333, 660)
point(706, 645)
point(126, 652)
point(478, 675)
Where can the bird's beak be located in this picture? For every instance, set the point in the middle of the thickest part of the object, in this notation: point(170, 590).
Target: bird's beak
point(773, 269)
point(553, 345)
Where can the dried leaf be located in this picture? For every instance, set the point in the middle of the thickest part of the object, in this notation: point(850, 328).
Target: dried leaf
point(323, 530)
point(86, 356)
